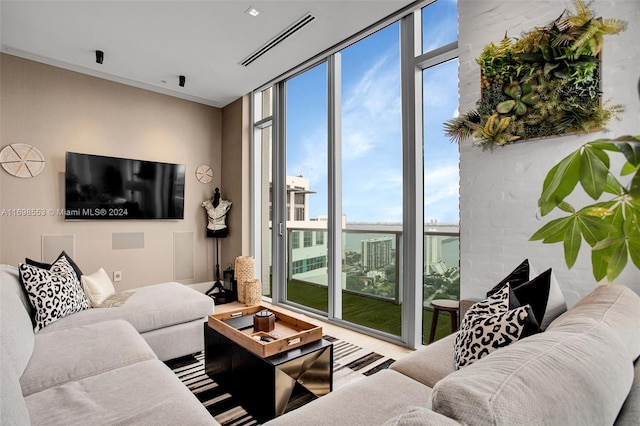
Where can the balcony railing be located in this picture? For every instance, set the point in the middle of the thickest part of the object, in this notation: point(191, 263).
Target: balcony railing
point(371, 262)
point(371, 273)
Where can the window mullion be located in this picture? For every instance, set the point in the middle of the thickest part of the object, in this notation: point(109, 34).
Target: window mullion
point(412, 155)
point(279, 231)
point(334, 243)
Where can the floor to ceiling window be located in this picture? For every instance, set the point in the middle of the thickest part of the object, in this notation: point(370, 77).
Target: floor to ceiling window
point(334, 159)
point(306, 188)
point(372, 181)
point(441, 160)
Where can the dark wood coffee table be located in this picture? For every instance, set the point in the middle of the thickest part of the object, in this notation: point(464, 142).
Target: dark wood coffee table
point(268, 385)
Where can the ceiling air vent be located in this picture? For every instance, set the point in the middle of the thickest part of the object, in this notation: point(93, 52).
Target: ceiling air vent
point(282, 36)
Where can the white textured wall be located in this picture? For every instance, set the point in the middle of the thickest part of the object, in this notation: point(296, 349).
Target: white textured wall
point(499, 190)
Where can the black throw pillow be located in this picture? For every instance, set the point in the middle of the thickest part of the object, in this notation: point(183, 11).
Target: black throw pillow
point(47, 266)
point(535, 293)
point(518, 276)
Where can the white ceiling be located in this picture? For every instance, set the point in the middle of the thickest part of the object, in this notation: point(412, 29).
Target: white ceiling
point(148, 44)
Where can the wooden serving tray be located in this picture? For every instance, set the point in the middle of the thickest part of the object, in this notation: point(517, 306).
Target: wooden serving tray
point(289, 332)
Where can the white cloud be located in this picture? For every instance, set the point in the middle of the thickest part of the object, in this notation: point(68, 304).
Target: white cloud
point(442, 190)
point(371, 110)
point(371, 138)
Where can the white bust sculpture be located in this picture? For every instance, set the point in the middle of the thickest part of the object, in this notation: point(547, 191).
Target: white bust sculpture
point(217, 213)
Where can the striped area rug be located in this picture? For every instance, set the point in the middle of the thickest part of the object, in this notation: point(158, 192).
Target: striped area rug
point(350, 363)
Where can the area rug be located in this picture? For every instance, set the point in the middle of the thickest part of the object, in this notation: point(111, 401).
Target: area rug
point(350, 363)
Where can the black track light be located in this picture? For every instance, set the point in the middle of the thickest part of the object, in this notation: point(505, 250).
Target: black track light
point(182, 80)
point(99, 56)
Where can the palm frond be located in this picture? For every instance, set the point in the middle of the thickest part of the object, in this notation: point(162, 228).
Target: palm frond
point(612, 25)
point(462, 127)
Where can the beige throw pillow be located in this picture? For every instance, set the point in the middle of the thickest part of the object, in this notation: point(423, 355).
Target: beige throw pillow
point(98, 287)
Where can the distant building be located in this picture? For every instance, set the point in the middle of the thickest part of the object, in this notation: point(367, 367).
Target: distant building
point(375, 243)
point(377, 252)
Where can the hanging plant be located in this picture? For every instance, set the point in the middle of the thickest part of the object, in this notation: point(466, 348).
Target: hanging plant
point(546, 83)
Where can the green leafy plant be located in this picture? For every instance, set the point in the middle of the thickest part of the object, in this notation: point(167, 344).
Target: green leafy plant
point(547, 83)
point(521, 97)
point(610, 226)
point(495, 129)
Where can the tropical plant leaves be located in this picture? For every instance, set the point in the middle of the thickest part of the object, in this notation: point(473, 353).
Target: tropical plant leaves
point(594, 169)
point(617, 261)
point(634, 249)
point(611, 227)
point(630, 150)
point(552, 232)
point(572, 242)
point(560, 182)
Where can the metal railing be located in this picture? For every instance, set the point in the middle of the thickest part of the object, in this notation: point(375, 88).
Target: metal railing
point(371, 261)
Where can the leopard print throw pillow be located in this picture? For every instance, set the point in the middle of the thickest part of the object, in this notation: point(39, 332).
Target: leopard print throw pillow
point(54, 293)
point(493, 323)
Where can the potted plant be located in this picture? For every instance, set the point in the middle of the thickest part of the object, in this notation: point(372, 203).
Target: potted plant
point(610, 225)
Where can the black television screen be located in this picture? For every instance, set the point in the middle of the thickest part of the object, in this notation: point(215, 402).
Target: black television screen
point(99, 187)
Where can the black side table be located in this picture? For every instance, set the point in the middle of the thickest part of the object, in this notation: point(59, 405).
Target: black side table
point(269, 387)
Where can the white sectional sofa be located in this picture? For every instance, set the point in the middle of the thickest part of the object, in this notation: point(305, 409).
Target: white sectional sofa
point(100, 365)
point(583, 370)
point(168, 316)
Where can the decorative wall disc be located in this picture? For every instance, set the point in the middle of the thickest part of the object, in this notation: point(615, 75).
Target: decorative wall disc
point(22, 160)
point(204, 174)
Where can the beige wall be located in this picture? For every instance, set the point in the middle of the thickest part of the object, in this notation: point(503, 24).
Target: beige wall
point(56, 111)
point(235, 169)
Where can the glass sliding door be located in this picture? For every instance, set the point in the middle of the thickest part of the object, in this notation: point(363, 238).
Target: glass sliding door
point(340, 169)
point(441, 194)
point(372, 182)
point(441, 267)
point(307, 189)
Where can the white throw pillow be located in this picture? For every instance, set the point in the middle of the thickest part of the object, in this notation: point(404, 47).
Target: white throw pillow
point(98, 287)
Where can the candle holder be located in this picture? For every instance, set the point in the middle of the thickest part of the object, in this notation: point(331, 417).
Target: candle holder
point(264, 321)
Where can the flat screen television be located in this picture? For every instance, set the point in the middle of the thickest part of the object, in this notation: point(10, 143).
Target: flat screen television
point(99, 187)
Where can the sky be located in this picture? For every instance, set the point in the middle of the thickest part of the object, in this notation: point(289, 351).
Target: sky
point(371, 126)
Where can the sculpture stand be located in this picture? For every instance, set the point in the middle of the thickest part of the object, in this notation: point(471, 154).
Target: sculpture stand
point(218, 284)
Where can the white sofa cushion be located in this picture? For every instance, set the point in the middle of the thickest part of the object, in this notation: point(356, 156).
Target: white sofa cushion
point(577, 372)
point(13, 408)
point(16, 346)
point(149, 308)
point(366, 402)
point(75, 353)
point(429, 364)
point(16, 329)
point(145, 393)
point(98, 287)
point(420, 416)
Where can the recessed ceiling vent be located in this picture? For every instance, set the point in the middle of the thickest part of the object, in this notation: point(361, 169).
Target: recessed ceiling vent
point(282, 36)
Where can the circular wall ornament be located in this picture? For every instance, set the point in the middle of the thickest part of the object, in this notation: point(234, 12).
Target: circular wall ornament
point(22, 160)
point(204, 174)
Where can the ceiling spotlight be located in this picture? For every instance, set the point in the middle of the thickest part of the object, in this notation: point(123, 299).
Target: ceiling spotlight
point(99, 56)
point(252, 11)
point(182, 80)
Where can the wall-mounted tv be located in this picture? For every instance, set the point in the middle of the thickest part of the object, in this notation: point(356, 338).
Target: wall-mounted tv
point(99, 187)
